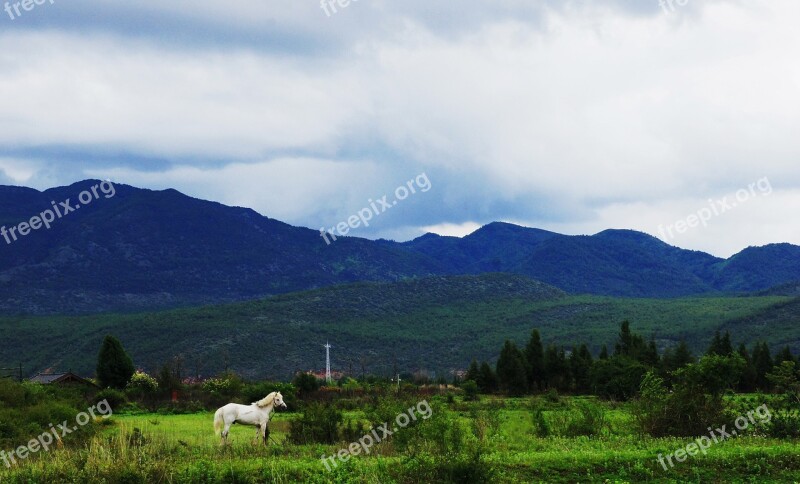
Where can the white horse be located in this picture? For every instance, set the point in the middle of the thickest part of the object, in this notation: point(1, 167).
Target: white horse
point(257, 413)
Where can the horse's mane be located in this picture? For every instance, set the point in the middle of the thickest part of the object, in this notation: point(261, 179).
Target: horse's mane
point(266, 401)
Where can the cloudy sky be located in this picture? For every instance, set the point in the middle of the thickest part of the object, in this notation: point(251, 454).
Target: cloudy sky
point(573, 116)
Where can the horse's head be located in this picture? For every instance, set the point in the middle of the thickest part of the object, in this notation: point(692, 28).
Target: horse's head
point(279, 400)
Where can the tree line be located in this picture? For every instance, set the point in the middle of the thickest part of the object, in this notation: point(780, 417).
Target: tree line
point(618, 375)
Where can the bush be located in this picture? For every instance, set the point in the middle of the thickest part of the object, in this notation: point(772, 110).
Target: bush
point(617, 378)
point(696, 400)
point(584, 419)
point(143, 382)
point(470, 389)
point(115, 398)
point(224, 387)
point(319, 424)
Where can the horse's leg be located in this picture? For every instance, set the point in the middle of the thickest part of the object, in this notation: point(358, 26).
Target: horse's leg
point(255, 439)
point(225, 433)
point(265, 433)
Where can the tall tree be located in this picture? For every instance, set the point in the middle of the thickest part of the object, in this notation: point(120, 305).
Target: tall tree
point(487, 380)
point(534, 355)
point(762, 363)
point(747, 383)
point(556, 368)
point(114, 365)
point(473, 373)
point(720, 345)
point(784, 354)
point(581, 366)
point(512, 370)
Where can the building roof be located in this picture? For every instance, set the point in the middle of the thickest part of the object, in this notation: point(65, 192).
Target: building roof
point(67, 377)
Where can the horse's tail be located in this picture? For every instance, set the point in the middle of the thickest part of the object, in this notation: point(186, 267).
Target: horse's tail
point(218, 421)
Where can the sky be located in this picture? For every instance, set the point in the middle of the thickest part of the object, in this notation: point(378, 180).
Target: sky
point(680, 121)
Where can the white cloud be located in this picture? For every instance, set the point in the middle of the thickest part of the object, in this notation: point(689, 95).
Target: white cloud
point(452, 230)
point(578, 116)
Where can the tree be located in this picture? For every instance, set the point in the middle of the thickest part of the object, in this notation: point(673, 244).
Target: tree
point(556, 368)
point(720, 345)
point(305, 383)
point(114, 366)
point(169, 376)
point(511, 370)
point(581, 366)
point(603, 353)
point(534, 355)
point(487, 380)
point(762, 363)
point(784, 355)
point(747, 383)
point(473, 373)
point(674, 359)
point(470, 389)
point(632, 345)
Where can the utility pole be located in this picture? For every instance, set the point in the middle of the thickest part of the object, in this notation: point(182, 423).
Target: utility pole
point(397, 379)
point(328, 362)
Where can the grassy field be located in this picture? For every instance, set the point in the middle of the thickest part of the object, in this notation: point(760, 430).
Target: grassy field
point(183, 448)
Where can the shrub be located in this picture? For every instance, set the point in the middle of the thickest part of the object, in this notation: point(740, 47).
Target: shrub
point(318, 424)
point(115, 398)
point(144, 382)
point(227, 386)
point(470, 389)
point(695, 402)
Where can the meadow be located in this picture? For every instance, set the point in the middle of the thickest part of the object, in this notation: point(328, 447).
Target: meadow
point(544, 438)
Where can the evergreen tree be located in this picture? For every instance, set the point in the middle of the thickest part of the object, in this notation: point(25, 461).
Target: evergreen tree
point(762, 364)
point(650, 356)
point(624, 344)
point(473, 373)
point(511, 370)
point(556, 368)
point(632, 345)
point(726, 348)
point(534, 355)
point(114, 366)
point(784, 355)
point(581, 366)
point(603, 353)
point(683, 355)
point(487, 380)
point(720, 345)
point(747, 383)
point(674, 359)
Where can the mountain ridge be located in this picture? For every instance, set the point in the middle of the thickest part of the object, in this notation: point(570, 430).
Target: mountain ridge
point(149, 249)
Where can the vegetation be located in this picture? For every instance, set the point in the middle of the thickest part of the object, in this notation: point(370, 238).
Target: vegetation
point(114, 366)
point(407, 326)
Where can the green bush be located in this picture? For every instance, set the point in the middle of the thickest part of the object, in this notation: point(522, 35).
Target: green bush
point(115, 398)
point(226, 386)
point(695, 402)
point(319, 424)
point(470, 389)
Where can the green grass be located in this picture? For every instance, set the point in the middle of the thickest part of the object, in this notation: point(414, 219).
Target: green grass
point(183, 448)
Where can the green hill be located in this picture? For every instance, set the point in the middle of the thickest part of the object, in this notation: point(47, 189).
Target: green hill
point(435, 324)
